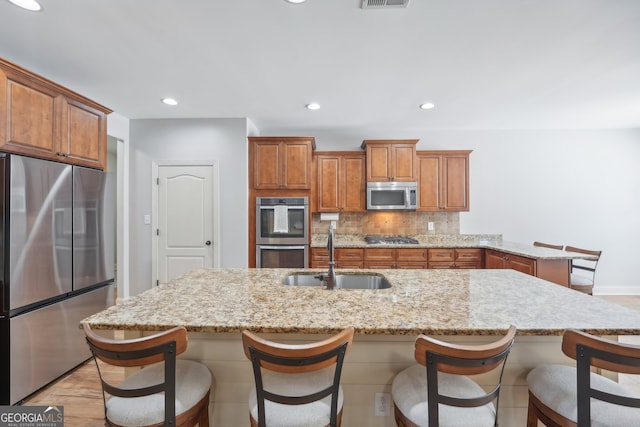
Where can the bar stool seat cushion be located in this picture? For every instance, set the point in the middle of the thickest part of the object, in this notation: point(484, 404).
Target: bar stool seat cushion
point(310, 414)
point(581, 280)
point(409, 393)
point(555, 387)
point(193, 381)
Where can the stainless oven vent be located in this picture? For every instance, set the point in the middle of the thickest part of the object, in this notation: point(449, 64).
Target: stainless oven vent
point(384, 4)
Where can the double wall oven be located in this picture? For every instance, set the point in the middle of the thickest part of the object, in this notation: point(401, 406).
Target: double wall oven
point(282, 232)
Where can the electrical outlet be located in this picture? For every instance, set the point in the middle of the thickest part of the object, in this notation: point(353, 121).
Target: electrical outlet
point(382, 405)
point(430, 226)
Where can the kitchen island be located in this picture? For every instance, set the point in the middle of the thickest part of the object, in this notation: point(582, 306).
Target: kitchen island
point(215, 305)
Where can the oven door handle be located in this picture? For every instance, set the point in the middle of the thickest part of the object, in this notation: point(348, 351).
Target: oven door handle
point(280, 247)
point(288, 207)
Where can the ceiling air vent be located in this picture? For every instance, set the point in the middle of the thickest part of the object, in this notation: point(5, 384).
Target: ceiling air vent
point(384, 4)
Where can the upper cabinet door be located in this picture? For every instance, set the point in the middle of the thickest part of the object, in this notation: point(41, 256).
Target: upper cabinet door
point(340, 182)
point(84, 132)
point(456, 182)
point(29, 117)
point(443, 181)
point(328, 184)
point(296, 170)
point(430, 188)
point(391, 160)
point(379, 162)
point(404, 160)
point(42, 119)
point(282, 163)
point(352, 183)
point(267, 165)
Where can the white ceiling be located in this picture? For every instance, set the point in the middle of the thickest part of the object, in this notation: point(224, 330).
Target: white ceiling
point(486, 64)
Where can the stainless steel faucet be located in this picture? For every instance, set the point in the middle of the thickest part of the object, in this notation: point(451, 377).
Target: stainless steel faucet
point(331, 275)
point(330, 278)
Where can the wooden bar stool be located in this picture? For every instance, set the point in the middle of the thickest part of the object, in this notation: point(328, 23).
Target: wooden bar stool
point(583, 282)
point(296, 385)
point(563, 396)
point(441, 395)
point(166, 392)
point(547, 245)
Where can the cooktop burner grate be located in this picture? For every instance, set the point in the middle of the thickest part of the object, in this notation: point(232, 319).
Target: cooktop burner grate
point(397, 240)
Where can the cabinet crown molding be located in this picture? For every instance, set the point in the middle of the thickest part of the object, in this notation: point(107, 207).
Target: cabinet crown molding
point(387, 141)
point(38, 79)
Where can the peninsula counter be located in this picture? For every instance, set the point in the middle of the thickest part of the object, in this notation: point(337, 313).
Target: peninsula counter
point(470, 306)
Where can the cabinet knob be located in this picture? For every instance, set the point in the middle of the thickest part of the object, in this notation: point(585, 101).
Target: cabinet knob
point(208, 243)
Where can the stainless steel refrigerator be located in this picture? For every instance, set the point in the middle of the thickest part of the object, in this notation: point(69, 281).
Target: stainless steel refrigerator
point(57, 226)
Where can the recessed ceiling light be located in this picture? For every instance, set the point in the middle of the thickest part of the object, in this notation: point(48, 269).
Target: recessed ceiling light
point(169, 101)
point(295, 1)
point(31, 5)
point(427, 105)
point(313, 106)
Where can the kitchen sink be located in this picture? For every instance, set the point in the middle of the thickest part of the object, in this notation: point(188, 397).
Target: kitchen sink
point(343, 281)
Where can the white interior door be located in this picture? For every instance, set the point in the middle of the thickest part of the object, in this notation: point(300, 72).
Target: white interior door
point(185, 212)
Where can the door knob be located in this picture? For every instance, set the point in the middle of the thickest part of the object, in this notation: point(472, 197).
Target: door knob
point(208, 243)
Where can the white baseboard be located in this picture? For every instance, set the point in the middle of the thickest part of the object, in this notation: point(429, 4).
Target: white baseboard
point(616, 290)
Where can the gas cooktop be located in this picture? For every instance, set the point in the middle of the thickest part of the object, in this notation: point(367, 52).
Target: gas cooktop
point(395, 240)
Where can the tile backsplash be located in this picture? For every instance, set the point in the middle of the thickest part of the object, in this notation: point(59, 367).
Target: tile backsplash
point(391, 223)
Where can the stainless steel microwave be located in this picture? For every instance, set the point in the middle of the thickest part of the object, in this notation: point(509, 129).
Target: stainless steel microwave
point(392, 196)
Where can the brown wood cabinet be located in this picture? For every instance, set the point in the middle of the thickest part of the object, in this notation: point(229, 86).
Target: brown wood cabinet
point(391, 160)
point(497, 259)
point(344, 257)
point(281, 163)
point(553, 270)
point(443, 181)
point(43, 119)
point(340, 181)
point(395, 258)
point(455, 258)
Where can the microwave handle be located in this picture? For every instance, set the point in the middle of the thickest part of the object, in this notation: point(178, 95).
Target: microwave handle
point(280, 247)
point(407, 198)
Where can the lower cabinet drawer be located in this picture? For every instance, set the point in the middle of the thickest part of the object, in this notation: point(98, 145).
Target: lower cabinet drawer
point(469, 255)
point(442, 255)
point(319, 254)
point(456, 264)
point(349, 254)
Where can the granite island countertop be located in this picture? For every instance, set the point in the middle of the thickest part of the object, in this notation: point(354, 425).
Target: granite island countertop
point(484, 241)
point(434, 302)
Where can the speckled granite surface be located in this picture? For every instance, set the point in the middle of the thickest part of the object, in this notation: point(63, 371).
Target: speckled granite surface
point(491, 241)
point(434, 302)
